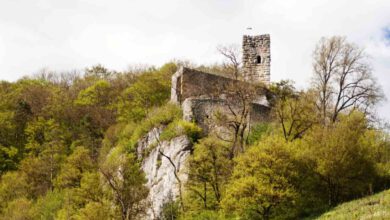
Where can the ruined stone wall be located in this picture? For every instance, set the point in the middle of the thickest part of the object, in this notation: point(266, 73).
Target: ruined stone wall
point(203, 112)
point(256, 58)
point(188, 83)
point(202, 94)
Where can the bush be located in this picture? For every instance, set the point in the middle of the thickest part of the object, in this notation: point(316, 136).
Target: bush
point(175, 129)
point(160, 116)
point(257, 132)
point(170, 210)
point(181, 127)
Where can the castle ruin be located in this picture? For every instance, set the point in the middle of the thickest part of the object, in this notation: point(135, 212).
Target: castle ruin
point(201, 94)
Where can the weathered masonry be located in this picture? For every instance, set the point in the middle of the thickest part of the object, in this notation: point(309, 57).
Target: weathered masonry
point(202, 94)
point(256, 58)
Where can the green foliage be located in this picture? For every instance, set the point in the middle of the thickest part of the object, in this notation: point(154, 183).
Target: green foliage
point(91, 189)
point(8, 158)
point(257, 132)
point(46, 207)
point(73, 168)
point(209, 170)
point(295, 115)
point(344, 157)
point(13, 185)
point(181, 127)
point(170, 210)
point(18, 209)
point(95, 211)
point(98, 72)
point(150, 90)
point(261, 181)
point(97, 94)
point(280, 91)
point(124, 183)
point(175, 128)
point(159, 117)
point(45, 137)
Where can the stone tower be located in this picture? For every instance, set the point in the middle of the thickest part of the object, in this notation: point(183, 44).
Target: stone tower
point(256, 58)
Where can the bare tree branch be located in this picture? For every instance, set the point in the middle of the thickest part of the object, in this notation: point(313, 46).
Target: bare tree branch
point(342, 78)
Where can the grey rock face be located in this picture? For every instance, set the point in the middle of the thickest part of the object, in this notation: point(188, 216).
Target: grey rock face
point(160, 172)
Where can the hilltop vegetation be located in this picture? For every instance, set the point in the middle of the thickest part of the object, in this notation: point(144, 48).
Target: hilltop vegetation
point(68, 145)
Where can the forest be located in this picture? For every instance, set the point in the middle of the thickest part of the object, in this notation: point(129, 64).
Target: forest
point(68, 143)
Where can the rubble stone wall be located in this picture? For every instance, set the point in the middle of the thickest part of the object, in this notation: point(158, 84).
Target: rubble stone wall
point(256, 58)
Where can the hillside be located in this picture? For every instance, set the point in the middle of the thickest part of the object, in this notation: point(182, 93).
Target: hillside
point(180, 143)
point(371, 207)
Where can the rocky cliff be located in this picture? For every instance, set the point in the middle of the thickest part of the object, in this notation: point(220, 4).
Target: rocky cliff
point(164, 166)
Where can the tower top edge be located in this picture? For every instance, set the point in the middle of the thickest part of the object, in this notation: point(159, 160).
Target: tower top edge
point(262, 36)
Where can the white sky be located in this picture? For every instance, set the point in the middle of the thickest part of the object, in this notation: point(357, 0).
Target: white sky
point(73, 34)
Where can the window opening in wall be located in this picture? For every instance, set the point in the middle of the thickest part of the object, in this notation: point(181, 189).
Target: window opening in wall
point(258, 59)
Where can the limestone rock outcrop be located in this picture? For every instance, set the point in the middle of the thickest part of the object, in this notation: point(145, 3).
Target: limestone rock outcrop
point(160, 162)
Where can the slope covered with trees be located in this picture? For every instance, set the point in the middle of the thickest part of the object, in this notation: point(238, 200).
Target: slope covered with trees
point(64, 138)
point(68, 144)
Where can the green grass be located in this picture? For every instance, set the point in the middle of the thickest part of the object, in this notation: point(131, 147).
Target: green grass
point(367, 208)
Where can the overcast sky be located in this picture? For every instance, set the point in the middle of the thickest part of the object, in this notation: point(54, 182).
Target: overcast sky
point(72, 34)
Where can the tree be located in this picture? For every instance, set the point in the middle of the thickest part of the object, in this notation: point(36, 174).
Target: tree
point(125, 181)
point(237, 98)
point(98, 72)
point(47, 206)
point(46, 147)
point(342, 78)
point(95, 211)
point(73, 168)
point(18, 209)
point(8, 158)
point(235, 113)
point(91, 188)
point(281, 91)
point(343, 156)
point(96, 95)
point(150, 90)
point(95, 114)
point(209, 170)
point(296, 115)
point(232, 53)
point(261, 180)
point(13, 185)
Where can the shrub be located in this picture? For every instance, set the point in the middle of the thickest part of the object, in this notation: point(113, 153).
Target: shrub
point(160, 116)
point(181, 127)
point(257, 132)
